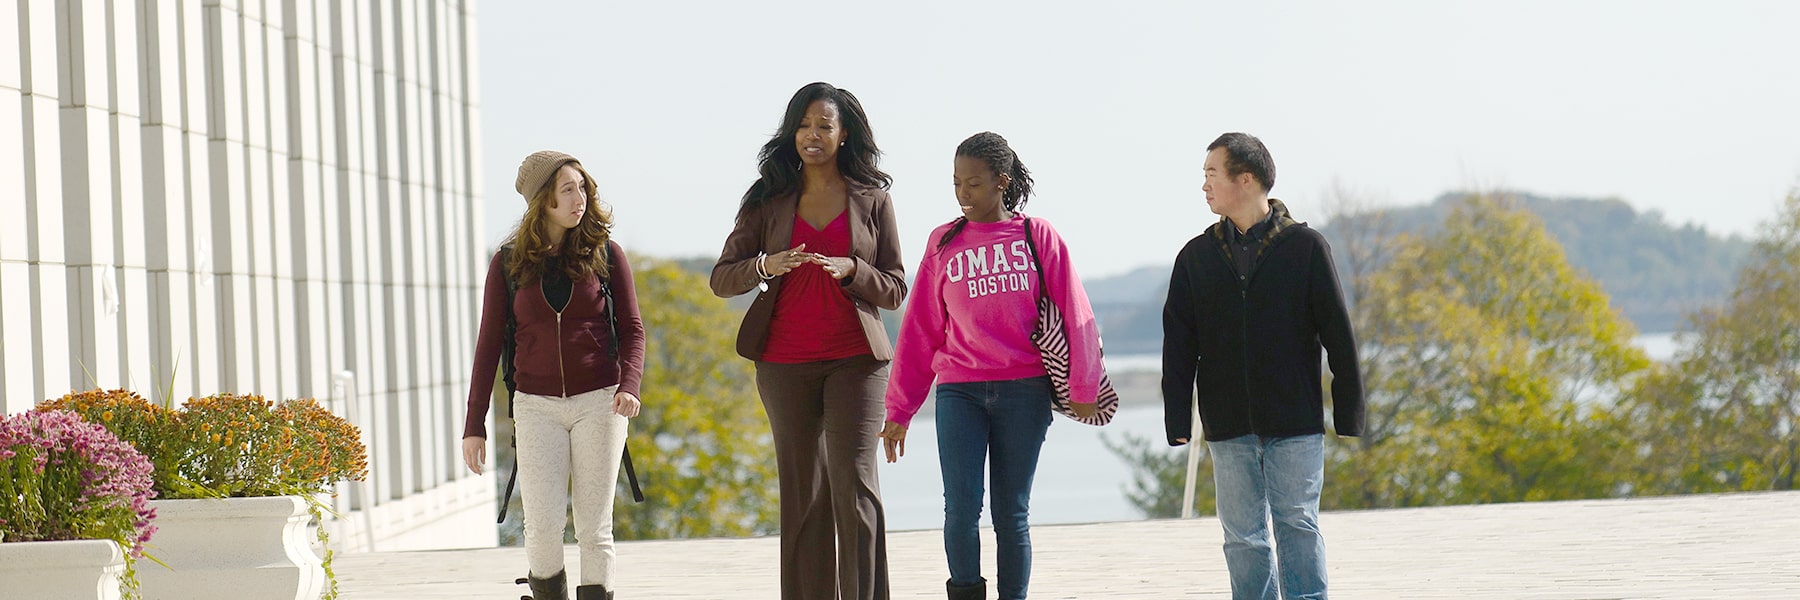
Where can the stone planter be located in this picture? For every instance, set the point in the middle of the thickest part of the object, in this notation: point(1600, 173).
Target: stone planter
point(236, 548)
point(71, 569)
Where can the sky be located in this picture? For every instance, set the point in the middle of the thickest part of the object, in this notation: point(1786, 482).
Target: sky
point(1689, 109)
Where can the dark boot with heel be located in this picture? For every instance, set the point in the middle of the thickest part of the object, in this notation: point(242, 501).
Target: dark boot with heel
point(554, 587)
point(973, 591)
point(592, 592)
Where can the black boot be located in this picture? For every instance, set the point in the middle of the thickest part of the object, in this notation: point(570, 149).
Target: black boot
point(555, 587)
point(973, 591)
point(592, 592)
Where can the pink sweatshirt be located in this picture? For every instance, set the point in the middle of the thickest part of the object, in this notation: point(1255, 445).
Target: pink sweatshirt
point(972, 308)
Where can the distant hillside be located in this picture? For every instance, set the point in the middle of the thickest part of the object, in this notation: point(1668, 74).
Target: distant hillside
point(1653, 270)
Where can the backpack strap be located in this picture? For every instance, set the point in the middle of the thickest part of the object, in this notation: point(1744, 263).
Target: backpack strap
point(612, 323)
point(612, 329)
point(508, 347)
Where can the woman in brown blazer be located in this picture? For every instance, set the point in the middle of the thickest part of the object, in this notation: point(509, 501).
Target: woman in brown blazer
point(816, 240)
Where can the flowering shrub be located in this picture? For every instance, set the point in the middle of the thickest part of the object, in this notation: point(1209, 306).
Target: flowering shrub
point(318, 448)
point(148, 427)
point(238, 435)
point(62, 478)
point(229, 445)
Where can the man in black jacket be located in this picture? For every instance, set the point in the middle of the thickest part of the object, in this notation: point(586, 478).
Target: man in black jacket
point(1251, 303)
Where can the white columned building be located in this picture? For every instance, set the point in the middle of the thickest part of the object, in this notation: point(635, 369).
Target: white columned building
point(275, 197)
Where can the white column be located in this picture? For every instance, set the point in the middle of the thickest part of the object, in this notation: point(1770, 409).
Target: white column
point(307, 200)
point(232, 251)
point(165, 204)
point(50, 295)
point(262, 333)
point(200, 361)
point(132, 319)
point(18, 389)
point(17, 359)
point(87, 200)
point(11, 40)
point(15, 231)
point(173, 328)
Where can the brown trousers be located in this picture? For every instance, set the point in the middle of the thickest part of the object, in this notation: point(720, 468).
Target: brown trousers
point(825, 417)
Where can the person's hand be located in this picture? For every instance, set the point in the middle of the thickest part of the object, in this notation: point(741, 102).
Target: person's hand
point(475, 452)
point(780, 263)
point(893, 439)
point(626, 404)
point(839, 267)
point(1084, 410)
point(1181, 440)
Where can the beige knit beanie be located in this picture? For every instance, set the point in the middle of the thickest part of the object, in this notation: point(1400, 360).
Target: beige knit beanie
point(538, 169)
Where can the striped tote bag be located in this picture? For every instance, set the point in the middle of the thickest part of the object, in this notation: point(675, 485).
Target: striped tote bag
point(1053, 347)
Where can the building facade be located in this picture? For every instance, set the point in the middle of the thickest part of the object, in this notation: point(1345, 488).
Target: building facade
point(275, 197)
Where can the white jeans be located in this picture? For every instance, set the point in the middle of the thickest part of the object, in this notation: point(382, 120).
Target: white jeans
point(577, 436)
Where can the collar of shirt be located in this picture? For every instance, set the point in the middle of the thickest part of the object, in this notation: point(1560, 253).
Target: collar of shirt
point(1256, 233)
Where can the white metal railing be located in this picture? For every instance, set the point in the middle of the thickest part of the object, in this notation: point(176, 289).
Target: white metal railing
point(343, 402)
point(1193, 462)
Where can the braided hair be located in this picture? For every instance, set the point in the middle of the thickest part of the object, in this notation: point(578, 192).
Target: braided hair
point(993, 150)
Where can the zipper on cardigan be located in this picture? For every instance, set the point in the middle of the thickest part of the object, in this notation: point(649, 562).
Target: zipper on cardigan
point(562, 374)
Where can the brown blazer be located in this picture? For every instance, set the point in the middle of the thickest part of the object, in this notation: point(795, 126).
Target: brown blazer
point(879, 282)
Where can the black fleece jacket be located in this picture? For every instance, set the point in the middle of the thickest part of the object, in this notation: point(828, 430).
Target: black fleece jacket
point(1251, 343)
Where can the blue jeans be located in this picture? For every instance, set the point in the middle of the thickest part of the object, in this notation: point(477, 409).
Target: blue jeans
point(1258, 476)
point(1006, 419)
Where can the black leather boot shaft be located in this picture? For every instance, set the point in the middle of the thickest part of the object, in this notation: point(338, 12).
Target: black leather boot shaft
point(592, 592)
point(974, 591)
point(554, 587)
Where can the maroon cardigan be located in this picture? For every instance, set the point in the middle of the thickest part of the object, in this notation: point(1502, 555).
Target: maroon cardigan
point(557, 359)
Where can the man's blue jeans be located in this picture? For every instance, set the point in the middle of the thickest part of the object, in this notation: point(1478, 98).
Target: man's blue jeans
point(1259, 477)
point(1006, 419)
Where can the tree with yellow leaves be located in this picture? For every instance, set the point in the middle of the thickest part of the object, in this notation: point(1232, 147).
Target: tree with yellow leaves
point(702, 448)
point(1491, 370)
point(1725, 414)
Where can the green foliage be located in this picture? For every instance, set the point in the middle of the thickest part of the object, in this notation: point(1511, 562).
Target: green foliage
point(1159, 475)
point(1490, 371)
point(702, 446)
point(1725, 414)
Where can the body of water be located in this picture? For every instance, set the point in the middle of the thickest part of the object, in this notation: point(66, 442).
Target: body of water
point(1660, 347)
point(1078, 479)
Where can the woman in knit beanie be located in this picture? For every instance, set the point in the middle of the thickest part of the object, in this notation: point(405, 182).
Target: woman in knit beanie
point(815, 238)
point(559, 303)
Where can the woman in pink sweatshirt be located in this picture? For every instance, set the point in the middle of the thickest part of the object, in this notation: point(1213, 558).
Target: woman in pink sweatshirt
point(968, 327)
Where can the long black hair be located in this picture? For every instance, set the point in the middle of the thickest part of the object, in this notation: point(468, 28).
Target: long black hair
point(779, 164)
point(992, 149)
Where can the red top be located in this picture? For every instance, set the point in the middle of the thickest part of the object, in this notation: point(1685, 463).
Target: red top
point(814, 318)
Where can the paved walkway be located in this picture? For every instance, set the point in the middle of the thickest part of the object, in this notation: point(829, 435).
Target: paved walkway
point(1687, 547)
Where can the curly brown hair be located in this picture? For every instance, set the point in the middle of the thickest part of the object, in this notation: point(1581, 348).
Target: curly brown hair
point(581, 249)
